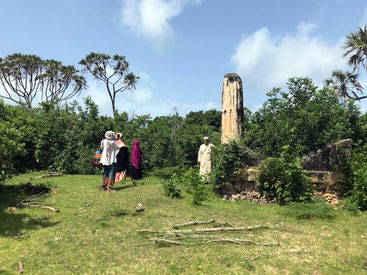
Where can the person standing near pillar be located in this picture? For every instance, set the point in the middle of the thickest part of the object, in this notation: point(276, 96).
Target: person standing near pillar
point(204, 158)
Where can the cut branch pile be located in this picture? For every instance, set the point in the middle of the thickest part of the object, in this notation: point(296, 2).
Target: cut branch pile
point(33, 201)
point(196, 236)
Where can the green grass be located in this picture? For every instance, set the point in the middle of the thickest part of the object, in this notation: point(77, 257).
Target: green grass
point(96, 232)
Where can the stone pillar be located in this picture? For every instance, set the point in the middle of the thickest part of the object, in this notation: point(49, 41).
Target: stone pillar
point(232, 108)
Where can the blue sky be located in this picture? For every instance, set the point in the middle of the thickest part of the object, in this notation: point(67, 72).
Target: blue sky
point(181, 49)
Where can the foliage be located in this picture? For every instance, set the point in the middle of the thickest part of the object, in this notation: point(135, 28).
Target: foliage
point(10, 148)
point(227, 161)
point(357, 181)
point(346, 84)
point(24, 77)
point(305, 118)
point(284, 179)
point(171, 189)
point(314, 210)
point(356, 48)
point(195, 185)
point(113, 72)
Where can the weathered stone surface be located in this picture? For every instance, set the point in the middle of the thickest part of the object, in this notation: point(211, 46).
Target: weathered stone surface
point(325, 180)
point(232, 108)
point(329, 157)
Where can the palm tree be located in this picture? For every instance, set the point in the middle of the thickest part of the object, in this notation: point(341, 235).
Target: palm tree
point(356, 46)
point(346, 84)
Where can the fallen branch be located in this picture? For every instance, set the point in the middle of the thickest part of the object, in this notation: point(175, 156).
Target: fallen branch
point(223, 224)
point(205, 230)
point(165, 241)
point(18, 236)
point(32, 202)
point(31, 198)
point(20, 268)
point(177, 226)
point(41, 206)
point(251, 260)
point(52, 174)
point(80, 212)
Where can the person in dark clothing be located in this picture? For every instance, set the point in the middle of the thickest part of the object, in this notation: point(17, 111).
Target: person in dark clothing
point(136, 173)
point(122, 159)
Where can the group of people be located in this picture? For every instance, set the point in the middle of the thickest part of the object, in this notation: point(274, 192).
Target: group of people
point(115, 160)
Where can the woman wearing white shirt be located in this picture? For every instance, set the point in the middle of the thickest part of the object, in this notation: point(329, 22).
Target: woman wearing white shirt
point(108, 160)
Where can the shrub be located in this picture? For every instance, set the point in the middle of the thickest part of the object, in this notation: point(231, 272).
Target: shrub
point(171, 189)
point(195, 185)
point(357, 197)
point(284, 179)
point(227, 161)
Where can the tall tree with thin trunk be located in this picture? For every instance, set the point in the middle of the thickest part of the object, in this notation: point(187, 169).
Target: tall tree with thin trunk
point(356, 48)
point(346, 84)
point(26, 77)
point(114, 72)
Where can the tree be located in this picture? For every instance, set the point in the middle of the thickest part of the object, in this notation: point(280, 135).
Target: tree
point(356, 46)
point(304, 118)
point(26, 76)
point(114, 72)
point(57, 79)
point(346, 84)
point(20, 77)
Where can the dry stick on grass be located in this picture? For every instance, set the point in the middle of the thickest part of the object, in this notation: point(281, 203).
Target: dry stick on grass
point(20, 267)
point(239, 241)
point(30, 201)
point(165, 241)
point(41, 206)
point(50, 175)
point(177, 226)
point(223, 224)
point(251, 260)
point(205, 230)
point(18, 236)
point(219, 240)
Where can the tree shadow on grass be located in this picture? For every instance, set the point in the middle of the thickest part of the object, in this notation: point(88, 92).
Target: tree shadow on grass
point(13, 223)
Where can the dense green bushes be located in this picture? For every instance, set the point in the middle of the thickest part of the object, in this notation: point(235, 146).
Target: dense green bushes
point(227, 161)
point(65, 137)
point(305, 118)
point(356, 180)
point(284, 179)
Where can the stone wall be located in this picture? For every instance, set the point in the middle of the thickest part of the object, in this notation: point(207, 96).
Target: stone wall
point(320, 166)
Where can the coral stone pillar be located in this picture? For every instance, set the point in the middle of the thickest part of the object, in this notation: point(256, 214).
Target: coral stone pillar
point(232, 108)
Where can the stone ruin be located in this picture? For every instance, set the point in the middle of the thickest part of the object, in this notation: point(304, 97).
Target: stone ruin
point(320, 165)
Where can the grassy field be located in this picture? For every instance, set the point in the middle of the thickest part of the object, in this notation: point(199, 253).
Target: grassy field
point(96, 232)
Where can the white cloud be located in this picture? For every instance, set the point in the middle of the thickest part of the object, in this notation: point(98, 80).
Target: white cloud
point(264, 60)
point(150, 18)
point(364, 18)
